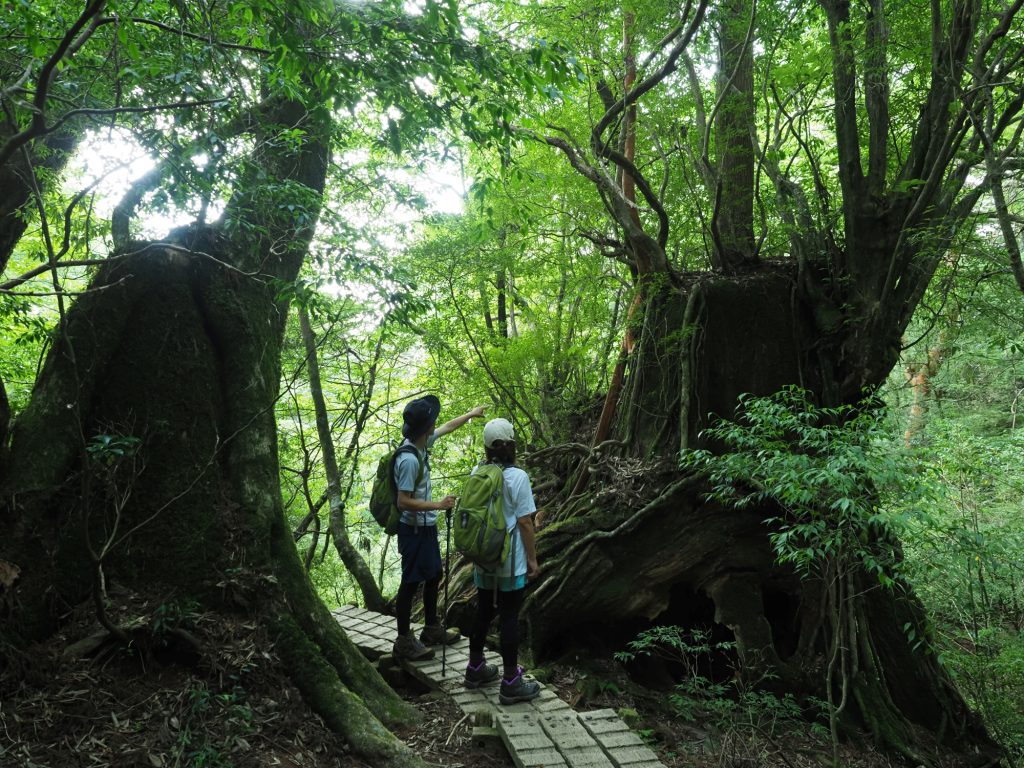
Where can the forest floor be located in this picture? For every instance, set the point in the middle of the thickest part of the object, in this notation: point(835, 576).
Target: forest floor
point(76, 701)
point(79, 701)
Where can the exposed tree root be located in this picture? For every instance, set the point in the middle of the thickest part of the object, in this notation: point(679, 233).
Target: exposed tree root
point(343, 711)
point(633, 564)
point(319, 627)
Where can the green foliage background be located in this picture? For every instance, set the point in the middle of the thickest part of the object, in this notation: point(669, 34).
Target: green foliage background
point(410, 292)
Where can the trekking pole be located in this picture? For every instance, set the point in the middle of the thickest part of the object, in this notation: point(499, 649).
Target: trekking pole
point(444, 615)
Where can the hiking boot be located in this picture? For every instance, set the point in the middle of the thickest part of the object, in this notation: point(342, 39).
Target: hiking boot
point(408, 648)
point(481, 674)
point(435, 634)
point(518, 689)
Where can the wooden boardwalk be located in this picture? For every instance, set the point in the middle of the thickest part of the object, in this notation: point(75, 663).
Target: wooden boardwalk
point(543, 733)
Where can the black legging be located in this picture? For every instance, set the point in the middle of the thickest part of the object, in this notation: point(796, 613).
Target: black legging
point(403, 602)
point(509, 604)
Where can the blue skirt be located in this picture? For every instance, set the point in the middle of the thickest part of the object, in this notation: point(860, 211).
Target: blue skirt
point(420, 551)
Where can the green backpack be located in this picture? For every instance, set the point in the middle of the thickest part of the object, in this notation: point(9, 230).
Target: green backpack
point(479, 531)
point(384, 496)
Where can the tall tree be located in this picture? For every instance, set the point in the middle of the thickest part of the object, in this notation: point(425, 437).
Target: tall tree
point(859, 221)
point(733, 219)
point(172, 354)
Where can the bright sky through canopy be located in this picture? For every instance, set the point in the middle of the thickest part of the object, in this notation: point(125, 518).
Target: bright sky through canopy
point(111, 161)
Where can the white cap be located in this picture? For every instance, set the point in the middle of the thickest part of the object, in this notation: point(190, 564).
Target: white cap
point(497, 430)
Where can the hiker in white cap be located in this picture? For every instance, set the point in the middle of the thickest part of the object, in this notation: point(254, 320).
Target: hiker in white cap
point(506, 586)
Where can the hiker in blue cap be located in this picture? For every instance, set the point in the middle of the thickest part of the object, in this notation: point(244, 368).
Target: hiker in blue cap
point(417, 528)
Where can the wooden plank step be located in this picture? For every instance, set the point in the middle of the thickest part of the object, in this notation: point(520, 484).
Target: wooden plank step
point(575, 743)
point(488, 740)
point(624, 748)
point(526, 741)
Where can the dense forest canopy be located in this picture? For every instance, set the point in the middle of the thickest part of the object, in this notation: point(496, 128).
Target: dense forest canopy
point(746, 277)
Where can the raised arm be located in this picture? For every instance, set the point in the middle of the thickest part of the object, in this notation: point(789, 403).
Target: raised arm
point(458, 421)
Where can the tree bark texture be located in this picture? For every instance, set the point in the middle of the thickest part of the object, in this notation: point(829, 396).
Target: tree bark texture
point(919, 376)
point(178, 344)
point(733, 228)
point(672, 557)
point(831, 324)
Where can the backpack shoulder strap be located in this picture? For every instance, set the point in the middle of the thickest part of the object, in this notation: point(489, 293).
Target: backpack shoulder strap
point(500, 467)
point(410, 449)
point(421, 467)
point(414, 452)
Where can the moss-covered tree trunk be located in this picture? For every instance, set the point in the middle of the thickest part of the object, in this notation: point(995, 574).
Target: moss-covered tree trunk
point(177, 345)
point(669, 556)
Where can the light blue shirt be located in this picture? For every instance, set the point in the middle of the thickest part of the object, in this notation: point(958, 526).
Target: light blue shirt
point(517, 502)
point(406, 469)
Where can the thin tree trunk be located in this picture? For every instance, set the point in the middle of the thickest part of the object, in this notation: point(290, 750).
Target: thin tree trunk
point(629, 130)
point(502, 284)
point(485, 305)
point(15, 195)
point(920, 376)
point(1006, 224)
point(372, 597)
point(642, 264)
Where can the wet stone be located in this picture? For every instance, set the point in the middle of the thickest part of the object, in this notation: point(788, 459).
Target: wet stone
point(566, 731)
point(550, 705)
point(526, 741)
point(467, 697)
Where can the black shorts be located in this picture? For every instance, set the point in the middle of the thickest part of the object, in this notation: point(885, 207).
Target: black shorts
point(420, 551)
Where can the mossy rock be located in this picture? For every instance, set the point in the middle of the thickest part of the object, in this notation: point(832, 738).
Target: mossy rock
point(629, 716)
